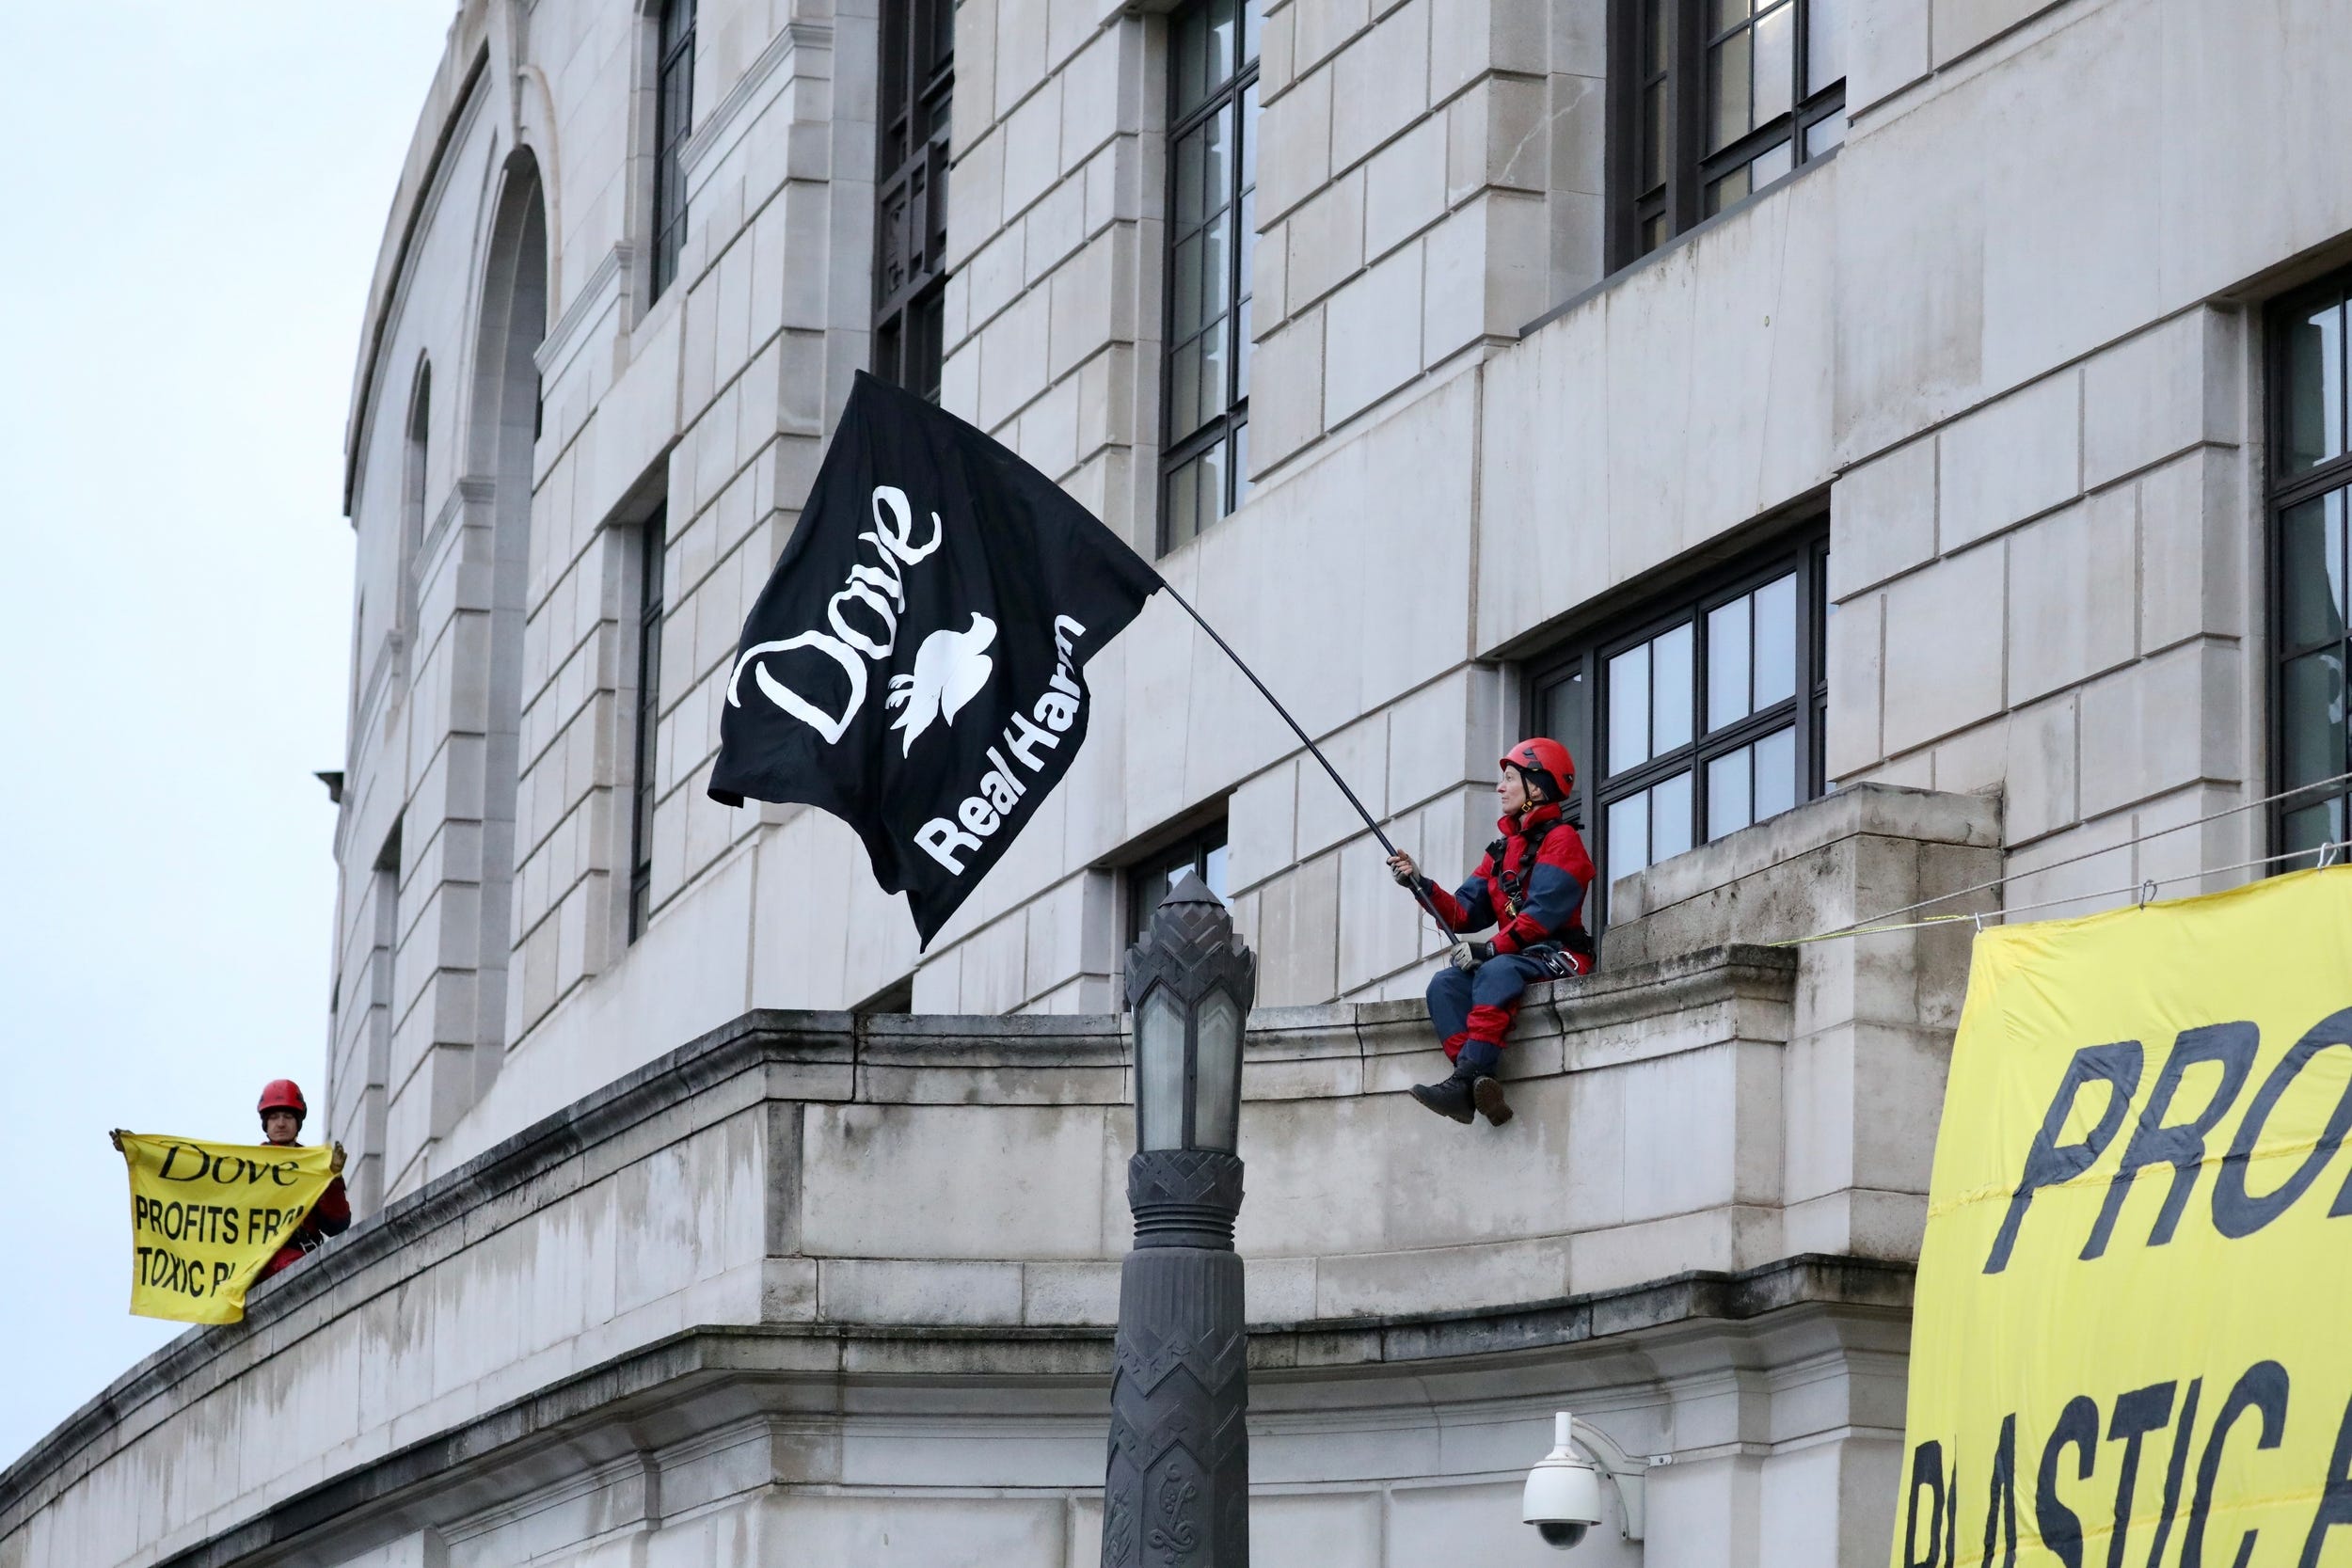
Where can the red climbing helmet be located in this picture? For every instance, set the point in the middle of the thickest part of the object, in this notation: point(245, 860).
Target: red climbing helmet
point(1547, 763)
point(283, 1094)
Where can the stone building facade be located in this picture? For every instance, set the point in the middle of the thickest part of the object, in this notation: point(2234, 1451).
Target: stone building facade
point(1892, 442)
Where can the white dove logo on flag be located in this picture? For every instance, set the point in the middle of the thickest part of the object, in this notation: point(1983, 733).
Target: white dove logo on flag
point(950, 670)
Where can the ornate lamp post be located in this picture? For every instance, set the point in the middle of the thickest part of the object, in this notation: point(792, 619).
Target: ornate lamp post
point(1176, 1492)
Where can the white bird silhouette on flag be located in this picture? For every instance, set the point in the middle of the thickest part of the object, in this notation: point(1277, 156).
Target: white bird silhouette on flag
point(950, 670)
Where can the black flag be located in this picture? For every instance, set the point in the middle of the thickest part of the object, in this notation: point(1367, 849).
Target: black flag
point(916, 665)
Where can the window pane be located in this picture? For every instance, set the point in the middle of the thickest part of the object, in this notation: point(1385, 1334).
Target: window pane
point(1729, 191)
point(1240, 445)
point(1210, 347)
point(1214, 277)
point(1727, 664)
point(1654, 36)
point(1209, 465)
point(1191, 50)
point(1825, 134)
point(1560, 710)
point(1670, 817)
point(1192, 152)
point(1727, 13)
point(1183, 400)
point(1187, 318)
point(1628, 709)
point(1629, 835)
point(2313, 826)
point(1224, 34)
point(1213, 869)
point(1775, 61)
point(1653, 133)
point(2310, 570)
point(2314, 416)
point(1728, 807)
point(2312, 719)
point(1653, 232)
point(1824, 46)
point(1775, 773)
point(1670, 661)
point(1777, 642)
point(1183, 505)
point(1249, 31)
point(1727, 91)
point(1770, 164)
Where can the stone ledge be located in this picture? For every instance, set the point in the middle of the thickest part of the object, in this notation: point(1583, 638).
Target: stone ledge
point(786, 1058)
point(749, 1369)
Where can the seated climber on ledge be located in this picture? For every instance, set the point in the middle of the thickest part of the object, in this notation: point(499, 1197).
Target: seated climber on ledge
point(1531, 888)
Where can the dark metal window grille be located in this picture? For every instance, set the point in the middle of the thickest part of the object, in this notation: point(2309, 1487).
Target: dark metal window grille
point(652, 540)
point(673, 119)
point(917, 83)
point(1212, 235)
point(1695, 717)
point(1148, 879)
point(2310, 491)
point(1710, 102)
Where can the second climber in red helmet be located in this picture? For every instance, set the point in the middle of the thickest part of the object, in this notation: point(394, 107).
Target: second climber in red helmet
point(283, 1112)
point(1531, 889)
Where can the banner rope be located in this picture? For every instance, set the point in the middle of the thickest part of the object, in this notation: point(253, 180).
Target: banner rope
point(1872, 922)
point(2145, 888)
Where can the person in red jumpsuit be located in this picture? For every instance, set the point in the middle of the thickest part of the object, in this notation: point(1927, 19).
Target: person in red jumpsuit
point(282, 1114)
point(1531, 888)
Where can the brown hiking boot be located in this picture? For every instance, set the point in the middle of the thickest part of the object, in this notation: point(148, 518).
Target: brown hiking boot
point(1486, 1093)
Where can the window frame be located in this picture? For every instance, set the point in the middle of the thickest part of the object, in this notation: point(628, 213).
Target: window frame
point(2283, 494)
point(1231, 425)
point(674, 125)
point(1686, 169)
point(652, 544)
point(911, 192)
point(1803, 551)
point(1190, 849)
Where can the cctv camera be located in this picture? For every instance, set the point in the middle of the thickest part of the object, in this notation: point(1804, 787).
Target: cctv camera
point(1563, 1495)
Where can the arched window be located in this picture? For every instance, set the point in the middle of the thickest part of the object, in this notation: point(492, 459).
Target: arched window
point(673, 119)
point(413, 472)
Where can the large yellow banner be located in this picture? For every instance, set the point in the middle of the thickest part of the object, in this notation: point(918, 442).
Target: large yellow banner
point(2133, 1342)
point(205, 1217)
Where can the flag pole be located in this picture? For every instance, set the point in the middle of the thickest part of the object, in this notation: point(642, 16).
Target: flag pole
point(1420, 894)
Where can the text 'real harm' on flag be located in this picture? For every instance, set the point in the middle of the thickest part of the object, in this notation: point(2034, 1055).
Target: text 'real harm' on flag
point(916, 665)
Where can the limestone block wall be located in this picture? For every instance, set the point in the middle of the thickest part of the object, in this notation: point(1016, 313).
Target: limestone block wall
point(2047, 533)
point(1429, 183)
point(1968, 334)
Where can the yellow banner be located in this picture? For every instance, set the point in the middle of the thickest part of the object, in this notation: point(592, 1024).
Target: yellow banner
point(206, 1217)
point(2133, 1342)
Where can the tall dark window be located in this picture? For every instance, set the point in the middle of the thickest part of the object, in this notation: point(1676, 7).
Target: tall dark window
point(673, 119)
point(1211, 233)
point(651, 541)
point(2311, 489)
point(1148, 879)
point(1711, 101)
point(413, 474)
point(1696, 715)
point(919, 74)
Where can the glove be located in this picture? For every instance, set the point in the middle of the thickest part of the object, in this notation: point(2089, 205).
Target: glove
point(1407, 876)
point(1468, 956)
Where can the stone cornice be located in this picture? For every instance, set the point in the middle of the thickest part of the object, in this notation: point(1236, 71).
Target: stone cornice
point(605, 1406)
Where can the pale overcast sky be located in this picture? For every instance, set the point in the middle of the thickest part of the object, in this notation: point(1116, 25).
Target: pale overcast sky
point(191, 208)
